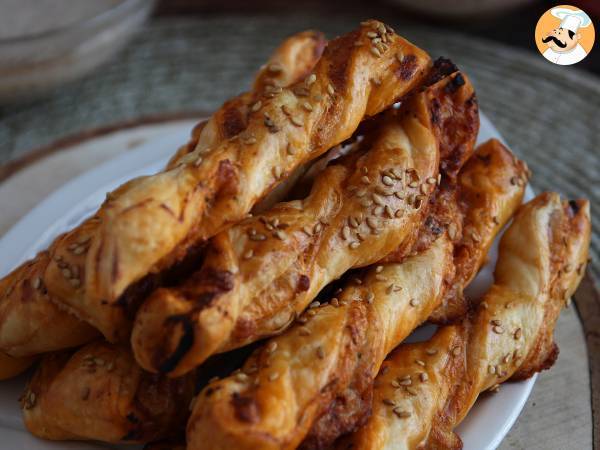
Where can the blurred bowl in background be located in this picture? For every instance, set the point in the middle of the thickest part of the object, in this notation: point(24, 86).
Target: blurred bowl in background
point(57, 50)
point(459, 9)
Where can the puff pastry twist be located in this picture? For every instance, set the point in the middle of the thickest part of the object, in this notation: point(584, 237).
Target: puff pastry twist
point(425, 390)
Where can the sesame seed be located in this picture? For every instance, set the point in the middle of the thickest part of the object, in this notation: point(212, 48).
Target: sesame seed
point(456, 350)
point(387, 401)
point(371, 223)
point(354, 245)
point(398, 213)
point(484, 305)
point(431, 351)
point(498, 329)
point(357, 281)
point(296, 121)
point(423, 377)
point(320, 352)
point(365, 179)
point(410, 390)
point(307, 106)
point(413, 184)
point(518, 333)
point(275, 68)
point(311, 312)
point(353, 222)
point(506, 358)
point(375, 52)
point(495, 388)
point(277, 172)
point(387, 180)
point(424, 188)
point(372, 34)
point(401, 413)
point(399, 195)
point(249, 140)
point(431, 180)
point(413, 302)
point(257, 237)
point(406, 381)
point(377, 210)
point(370, 297)
point(311, 79)
point(395, 384)
point(496, 322)
point(273, 376)
point(314, 304)
point(360, 237)
point(378, 200)
point(241, 376)
point(388, 211)
point(420, 362)
point(304, 331)
point(37, 282)
point(317, 228)
point(330, 89)
point(335, 302)
point(66, 272)
point(256, 106)
point(568, 268)
point(271, 347)
point(290, 149)
point(286, 110)
point(381, 277)
point(346, 232)
point(389, 289)
point(491, 369)
point(279, 235)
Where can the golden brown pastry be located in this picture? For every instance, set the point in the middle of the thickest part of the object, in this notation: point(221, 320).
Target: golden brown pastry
point(151, 223)
point(100, 393)
point(425, 390)
point(30, 322)
point(258, 275)
point(313, 382)
point(32, 318)
point(483, 188)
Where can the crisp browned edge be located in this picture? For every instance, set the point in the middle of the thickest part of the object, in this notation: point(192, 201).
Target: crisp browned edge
point(12, 167)
point(587, 300)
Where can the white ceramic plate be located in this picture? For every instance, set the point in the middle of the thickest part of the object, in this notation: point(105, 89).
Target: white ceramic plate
point(485, 427)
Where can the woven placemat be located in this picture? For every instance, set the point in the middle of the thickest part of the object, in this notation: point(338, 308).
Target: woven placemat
point(547, 113)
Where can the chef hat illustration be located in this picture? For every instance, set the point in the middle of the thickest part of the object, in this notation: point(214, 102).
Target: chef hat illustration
point(571, 19)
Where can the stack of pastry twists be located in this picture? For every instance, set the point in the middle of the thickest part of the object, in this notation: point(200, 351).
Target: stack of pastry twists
point(313, 382)
point(258, 275)
point(425, 390)
point(152, 223)
point(32, 317)
point(224, 247)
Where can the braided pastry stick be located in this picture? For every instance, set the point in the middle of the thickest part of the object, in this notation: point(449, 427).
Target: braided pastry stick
point(100, 393)
point(273, 265)
point(291, 62)
point(32, 318)
point(314, 380)
point(151, 223)
point(425, 390)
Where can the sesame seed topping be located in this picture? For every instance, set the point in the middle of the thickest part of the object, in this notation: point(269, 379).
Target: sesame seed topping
point(413, 184)
point(496, 322)
point(279, 235)
point(307, 106)
point(398, 213)
point(66, 272)
point(257, 237)
point(354, 222)
point(375, 52)
point(311, 79)
point(37, 282)
point(518, 333)
point(273, 376)
point(335, 302)
point(456, 350)
point(304, 331)
point(371, 223)
point(271, 347)
point(314, 304)
point(346, 232)
point(256, 106)
point(423, 377)
point(405, 381)
point(370, 297)
point(498, 329)
point(431, 180)
point(317, 228)
point(431, 351)
point(401, 413)
point(491, 369)
point(381, 277)
point(275, 68)
point(413, 302)
point(378, 200)
point(330, 89)
point(506, 358)
point(296, 121)
point(484, 305)
point(320, 352)
point(354, 245)
point(395, 384)
point(420, 362)
point(389, 402)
